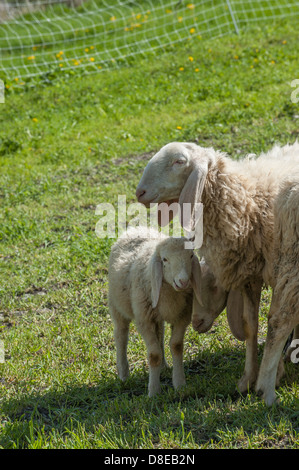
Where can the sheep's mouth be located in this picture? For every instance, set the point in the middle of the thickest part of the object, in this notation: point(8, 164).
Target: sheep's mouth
point(147, 202)
point(156, 200)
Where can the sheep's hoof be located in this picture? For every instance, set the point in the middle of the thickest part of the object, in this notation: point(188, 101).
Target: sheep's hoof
point(245, 383)
point(154, 391)
point(268, 396)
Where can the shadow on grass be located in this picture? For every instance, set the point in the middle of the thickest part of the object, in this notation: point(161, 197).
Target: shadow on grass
point(211, 404)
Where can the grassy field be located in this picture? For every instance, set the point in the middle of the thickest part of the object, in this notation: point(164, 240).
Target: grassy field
point(73, 141)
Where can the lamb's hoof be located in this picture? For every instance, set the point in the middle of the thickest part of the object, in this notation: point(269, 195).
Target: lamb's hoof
point(123, 377)
point(179, 384)
point(270, 399)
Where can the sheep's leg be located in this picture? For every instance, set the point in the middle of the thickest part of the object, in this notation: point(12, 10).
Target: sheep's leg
point(251, 296)
point(176, 348)
point(149, 332)
point(279, 327)
point(121, 336)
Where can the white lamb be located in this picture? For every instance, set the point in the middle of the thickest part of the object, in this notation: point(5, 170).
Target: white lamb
point(149, 282)
point(238, 198)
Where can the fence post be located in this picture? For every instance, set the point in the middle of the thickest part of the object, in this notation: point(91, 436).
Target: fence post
point(233, 16)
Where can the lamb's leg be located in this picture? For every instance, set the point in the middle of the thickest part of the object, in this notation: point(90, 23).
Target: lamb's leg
point(121, 335)
point(160, 333)
point(149, 332)
point(251, 295)
point(176, 347)
point(279, 327)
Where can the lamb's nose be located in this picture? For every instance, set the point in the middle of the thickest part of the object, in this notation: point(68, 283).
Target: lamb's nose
point(197, 323)
point(183, 283)
point(140, 193)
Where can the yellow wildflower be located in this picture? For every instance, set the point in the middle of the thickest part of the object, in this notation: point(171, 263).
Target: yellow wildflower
point(91, 59)
point(190, 58)
point(86, 49)
point(181, 69)
point(284, 41)
point(192, 30)
point(31, 57)
point(179, 127)
point(196, 70)
point(180, 19)
point(113, 18)
point(236, 57)
point(34, 119)
point(190, 6)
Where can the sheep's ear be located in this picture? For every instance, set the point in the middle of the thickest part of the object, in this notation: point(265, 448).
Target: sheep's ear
point(196, 278)
point(234, 310)
point(157, 274)
point(192, 193)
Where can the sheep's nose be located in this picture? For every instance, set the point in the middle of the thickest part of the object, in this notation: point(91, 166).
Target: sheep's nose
point(140, 193)
point(183, 283)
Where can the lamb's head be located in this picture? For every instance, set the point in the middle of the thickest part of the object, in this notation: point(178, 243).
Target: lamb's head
point(176, 173)
point(175, 264)
point(210, 299)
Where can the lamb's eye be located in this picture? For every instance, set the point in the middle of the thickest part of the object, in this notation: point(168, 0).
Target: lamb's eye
point(165, 259)
point(179, 162)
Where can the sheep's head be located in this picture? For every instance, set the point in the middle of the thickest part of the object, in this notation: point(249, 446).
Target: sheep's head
point(173, 263)
point(210, 301)
point(176, 173)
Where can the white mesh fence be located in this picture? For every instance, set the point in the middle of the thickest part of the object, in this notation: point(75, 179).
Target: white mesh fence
point(39, 36)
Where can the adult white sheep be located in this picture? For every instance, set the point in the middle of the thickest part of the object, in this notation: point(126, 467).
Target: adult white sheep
point(284, 311)
point(237, 221)
point(149, 282)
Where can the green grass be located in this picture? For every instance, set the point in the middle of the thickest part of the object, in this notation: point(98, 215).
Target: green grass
point(73, 141)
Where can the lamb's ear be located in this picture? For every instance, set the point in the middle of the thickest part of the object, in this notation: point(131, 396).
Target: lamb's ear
point(192, 193)
point(157, 274)
point(196, 278)
point(234, 310)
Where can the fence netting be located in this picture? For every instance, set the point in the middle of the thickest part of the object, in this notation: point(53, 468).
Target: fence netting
point(38, 36)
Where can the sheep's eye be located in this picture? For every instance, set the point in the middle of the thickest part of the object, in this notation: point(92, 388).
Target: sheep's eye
point(192, 255)
point(165, 259)
point(179, 162)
